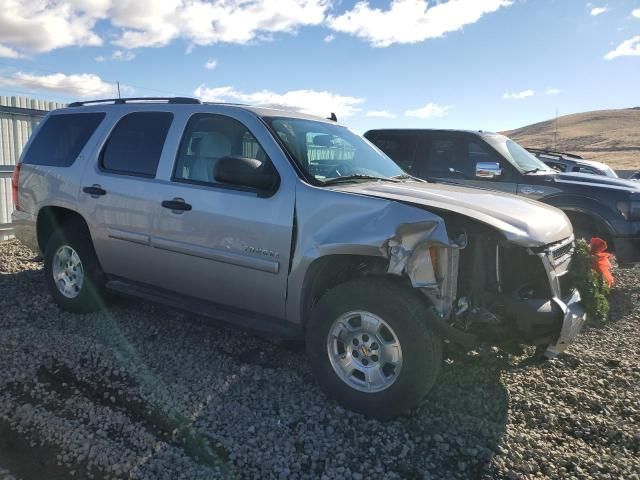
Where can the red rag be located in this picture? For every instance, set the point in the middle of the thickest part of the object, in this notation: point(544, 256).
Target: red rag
point(600, 259)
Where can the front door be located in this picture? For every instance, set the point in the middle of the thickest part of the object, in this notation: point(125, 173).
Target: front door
point(221, 243)
point(452, 158)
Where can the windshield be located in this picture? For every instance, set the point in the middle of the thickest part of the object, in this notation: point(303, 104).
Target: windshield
point(517, 155)
point(326, 152)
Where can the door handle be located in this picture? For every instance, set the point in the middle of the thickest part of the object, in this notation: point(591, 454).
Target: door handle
point(176, 204)
point(95, 190)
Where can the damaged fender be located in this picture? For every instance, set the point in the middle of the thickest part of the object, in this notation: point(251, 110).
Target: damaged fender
point(332, 222)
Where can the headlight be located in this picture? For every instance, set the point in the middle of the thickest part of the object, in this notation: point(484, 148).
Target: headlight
point(630, 209)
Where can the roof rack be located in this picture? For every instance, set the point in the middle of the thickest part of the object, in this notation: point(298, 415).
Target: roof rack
point(122, 101)
point(552, 152)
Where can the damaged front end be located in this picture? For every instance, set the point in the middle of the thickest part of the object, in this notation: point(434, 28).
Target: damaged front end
point(486, 289)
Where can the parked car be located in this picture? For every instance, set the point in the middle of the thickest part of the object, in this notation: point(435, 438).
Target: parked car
point(293, 225)
point(569, 162)
point(597, 205)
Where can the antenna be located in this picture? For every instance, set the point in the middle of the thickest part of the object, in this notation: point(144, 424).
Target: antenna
point(118, 85)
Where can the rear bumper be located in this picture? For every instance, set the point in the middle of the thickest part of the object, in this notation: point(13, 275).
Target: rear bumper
point(627, 249)
point(574, 318)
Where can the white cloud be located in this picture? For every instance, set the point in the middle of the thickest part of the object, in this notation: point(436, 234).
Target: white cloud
point(553, 91)
point(315, 102)
point(211, 64)
point(81, 85)
point(598, 11)
point(118, 55)
point(44, 25)
point(628, 48)
point(411, 21)
point(329, 38)
point(636, 13)
point(123, 55)
point(381, 114)
point(429, 110)
point(518, 95)
point(8, 52)
point(205, 23)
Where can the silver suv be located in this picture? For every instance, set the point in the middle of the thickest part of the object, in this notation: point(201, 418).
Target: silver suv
point(293, 225)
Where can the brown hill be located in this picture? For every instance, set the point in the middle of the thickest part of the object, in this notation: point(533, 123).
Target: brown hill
point(609, 136)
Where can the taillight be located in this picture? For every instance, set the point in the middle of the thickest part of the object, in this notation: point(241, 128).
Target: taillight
point(15, 178)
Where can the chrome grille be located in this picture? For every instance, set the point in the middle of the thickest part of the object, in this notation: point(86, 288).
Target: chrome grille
point(562, 251)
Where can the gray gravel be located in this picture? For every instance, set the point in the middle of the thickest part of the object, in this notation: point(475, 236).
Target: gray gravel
point(147, 392)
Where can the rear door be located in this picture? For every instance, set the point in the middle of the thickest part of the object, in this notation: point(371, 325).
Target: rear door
point(401, 147)
point(120, 195)
point(229, 245)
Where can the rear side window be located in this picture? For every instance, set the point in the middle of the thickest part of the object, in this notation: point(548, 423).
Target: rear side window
point(61, 139)
point(136, 143)
point(401, 148)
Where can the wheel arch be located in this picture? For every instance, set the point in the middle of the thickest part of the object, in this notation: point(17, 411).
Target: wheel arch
point(329, 271)
point(52, 218)
point(585, 208)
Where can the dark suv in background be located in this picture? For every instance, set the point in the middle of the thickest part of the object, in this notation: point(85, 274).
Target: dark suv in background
point(596, 205)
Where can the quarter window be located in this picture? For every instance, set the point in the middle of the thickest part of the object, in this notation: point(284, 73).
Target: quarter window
point(207, 139)
point(61, 139)
point(136, 143)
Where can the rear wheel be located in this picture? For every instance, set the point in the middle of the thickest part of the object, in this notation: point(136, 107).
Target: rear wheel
point(72, 271)
point(370, 347)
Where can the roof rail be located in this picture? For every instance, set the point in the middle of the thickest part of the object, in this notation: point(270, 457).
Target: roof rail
point(553, 152)
point(122, 101)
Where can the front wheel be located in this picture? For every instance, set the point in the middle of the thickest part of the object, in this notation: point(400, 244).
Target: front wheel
point(370, 347)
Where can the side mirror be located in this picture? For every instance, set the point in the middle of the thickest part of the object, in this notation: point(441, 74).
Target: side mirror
point(245, 172)
point(488, 170)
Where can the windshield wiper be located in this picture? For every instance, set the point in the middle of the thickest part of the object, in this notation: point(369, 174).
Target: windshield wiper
point(533, 170)
point(352, 178)
point(406, 176)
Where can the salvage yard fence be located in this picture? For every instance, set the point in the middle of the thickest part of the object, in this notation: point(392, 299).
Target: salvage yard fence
point(18, 117)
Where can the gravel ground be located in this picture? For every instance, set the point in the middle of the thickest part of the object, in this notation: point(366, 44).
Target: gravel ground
point(146, 392)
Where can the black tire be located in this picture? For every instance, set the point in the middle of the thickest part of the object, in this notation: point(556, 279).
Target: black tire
point(90, 296)
point(407, 314)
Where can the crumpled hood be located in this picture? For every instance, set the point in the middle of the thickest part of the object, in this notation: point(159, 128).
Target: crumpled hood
point(522, 221)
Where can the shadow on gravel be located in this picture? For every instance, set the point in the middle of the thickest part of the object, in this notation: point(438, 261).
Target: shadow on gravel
point(625, 294)
point(26, 459)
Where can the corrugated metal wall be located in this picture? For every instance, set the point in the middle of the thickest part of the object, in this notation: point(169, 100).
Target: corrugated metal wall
point(18, 116)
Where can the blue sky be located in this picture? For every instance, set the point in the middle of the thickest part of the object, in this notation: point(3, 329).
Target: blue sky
point(479, 64)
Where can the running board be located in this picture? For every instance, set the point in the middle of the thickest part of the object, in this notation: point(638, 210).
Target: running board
point(251, 321)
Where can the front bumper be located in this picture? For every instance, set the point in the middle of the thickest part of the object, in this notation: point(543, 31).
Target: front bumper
point(574, 318)
point(627, 249)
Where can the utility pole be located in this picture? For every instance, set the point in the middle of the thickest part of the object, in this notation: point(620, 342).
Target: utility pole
point(555, 135)
point(118, 85)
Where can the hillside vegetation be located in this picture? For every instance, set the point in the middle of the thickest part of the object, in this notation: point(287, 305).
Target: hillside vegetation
point(610, 136)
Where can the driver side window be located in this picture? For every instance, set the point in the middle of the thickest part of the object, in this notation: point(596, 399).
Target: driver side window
point(480, 153)
point(209, 138)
